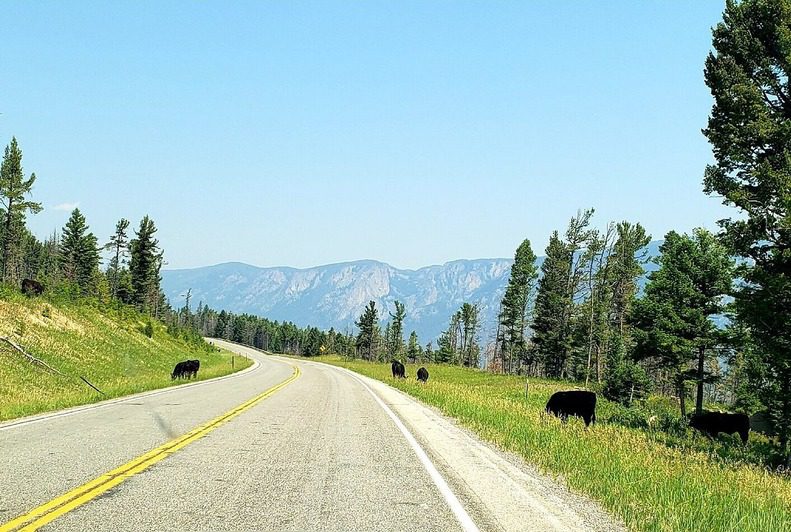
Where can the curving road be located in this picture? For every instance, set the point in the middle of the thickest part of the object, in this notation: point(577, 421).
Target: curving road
point(329, 451)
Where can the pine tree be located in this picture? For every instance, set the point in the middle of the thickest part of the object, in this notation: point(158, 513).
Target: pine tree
point(599, 299)
point(513, 320)
point(413, 350)
point(13, 189)
point(428, 352)
point(550, 337)
point(387, 341)
point(144, 265)
point(78, 253)
point(627, 267)
point(673, 320)
point(119, 248)
point(368, 324)
point(750, 132)
point(446, 352)
point(396, 340)
point(559, 290)
point(469, 349)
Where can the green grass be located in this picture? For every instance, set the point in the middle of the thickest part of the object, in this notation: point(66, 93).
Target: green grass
point(645, 482)
point(107, 347)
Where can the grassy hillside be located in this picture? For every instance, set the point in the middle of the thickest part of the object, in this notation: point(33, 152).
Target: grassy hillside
point(107, 347)
point(649, 484)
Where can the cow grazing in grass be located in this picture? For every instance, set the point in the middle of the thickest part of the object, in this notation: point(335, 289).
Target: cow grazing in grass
point(398, 370)
point(422, 375)
point(186, 369)
point(579, 403)
point(712, 423)
point(32, 288)
point(180, 371)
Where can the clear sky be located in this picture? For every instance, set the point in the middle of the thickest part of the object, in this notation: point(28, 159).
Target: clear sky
point(303, 133)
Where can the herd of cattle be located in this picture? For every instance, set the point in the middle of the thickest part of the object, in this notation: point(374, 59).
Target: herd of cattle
point(582, 404)
point(399, 372)
point(185, 369)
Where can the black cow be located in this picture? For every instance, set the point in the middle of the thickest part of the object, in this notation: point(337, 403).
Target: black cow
point(398, 369)
point(578, 403)
point(422, 375)
point(712, 423)
point(192, 368)
point(32, 288)
point(180, 371)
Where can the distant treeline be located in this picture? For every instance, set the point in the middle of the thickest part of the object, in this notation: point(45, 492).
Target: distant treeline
point(262, 333)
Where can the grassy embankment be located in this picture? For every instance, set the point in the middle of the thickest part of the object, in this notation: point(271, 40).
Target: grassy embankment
point(633, 473)
point(107, 347)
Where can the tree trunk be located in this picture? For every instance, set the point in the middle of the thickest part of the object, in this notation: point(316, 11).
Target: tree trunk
point(700, 376)
point(681, 397)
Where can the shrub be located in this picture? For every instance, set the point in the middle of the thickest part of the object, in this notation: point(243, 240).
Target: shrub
point(148, 330)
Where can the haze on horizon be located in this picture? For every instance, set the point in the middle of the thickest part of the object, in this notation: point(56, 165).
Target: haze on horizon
point(302, 135)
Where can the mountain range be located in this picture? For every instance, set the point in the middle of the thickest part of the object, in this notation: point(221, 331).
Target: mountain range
point(334, 295)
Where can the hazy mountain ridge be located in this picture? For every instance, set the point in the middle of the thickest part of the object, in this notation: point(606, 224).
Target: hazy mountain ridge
point(334, 295)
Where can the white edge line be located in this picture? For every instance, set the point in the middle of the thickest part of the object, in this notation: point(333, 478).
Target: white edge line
point(36, 418)
point(455, 505)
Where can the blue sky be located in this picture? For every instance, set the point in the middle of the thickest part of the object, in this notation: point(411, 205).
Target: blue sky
point(303, 133)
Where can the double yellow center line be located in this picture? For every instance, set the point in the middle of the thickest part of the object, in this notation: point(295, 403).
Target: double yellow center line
point(67, 502)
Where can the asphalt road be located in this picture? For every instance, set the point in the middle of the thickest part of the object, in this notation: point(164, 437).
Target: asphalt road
point(329, 451)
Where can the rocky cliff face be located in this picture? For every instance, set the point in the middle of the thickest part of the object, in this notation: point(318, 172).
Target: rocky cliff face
point(334, 295)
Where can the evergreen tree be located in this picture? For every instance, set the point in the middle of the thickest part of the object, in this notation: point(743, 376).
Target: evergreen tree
point(428, 352)
point(469, 350)
point(368, 324)
point(627, 267)
point(387, 341)
point(750, 132)
point(446, 352)
point(144, 265)
point(615, 289)
point(14, 207)
point(78, 253)
point(49, 263)
point(559, 290)
point(119, 248)
point(513, 320)
point(673, 320)
point(396, 340)
point(550, 337)
point(625, 379)
point(413, 350)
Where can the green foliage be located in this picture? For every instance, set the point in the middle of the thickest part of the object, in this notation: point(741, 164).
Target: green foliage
point(79, 254)
point(368, 323)
point(13, 209)
point(144, 266)
point(395, 341)
point(413, 350)
point(673, 321)
point(148, 329)
point(750, 132)
point(625, 380)
point(550, 336)
point(513, 319)
point(626, 268)
point(119, 248)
